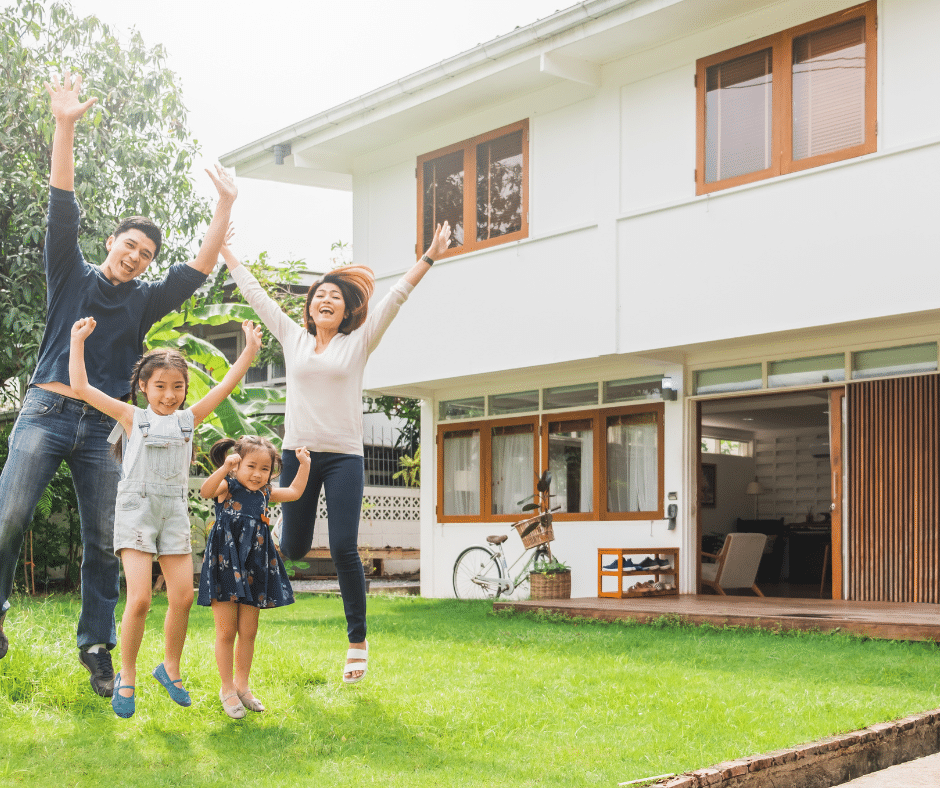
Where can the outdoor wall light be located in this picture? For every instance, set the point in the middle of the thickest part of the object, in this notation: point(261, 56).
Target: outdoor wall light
point(668, 393)
point(280, 151)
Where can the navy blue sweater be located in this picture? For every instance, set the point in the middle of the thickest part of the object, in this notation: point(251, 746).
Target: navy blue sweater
point(124, 312)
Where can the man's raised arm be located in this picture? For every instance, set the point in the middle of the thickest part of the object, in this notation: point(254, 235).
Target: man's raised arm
point(67, 110)
point(208, 254)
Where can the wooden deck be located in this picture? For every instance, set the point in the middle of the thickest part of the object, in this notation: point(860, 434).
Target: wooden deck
point(885, 620)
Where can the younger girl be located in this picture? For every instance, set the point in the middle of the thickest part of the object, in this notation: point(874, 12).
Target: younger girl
point(150, 513)
point(242, 571)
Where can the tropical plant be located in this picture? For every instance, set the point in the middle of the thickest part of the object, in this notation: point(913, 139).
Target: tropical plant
point(410, 472)
point(409, 410)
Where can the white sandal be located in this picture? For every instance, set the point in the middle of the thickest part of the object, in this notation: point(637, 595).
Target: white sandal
point(350, 667)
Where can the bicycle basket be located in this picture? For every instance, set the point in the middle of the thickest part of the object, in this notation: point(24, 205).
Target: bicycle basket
point(540, 534)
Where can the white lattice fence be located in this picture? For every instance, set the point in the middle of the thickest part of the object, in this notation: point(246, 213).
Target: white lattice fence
point(391, 517)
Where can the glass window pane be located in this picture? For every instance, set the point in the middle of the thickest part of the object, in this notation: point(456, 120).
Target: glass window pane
point(570, 396)
point(471, 407)
point(462, 472)
point(738, 120)
point(519, 402)
point(499, 186)
point(443, 196)
point(633, 389)
point(632, 463)
point(513, 467)
point(743, 378)
point(571, 461)
point(257, 374)
point(906, 360)
point(806, 371)
point(228, 346)
point(829, 89)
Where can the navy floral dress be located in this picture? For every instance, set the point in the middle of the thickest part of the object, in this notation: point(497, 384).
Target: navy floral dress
point(241, 564)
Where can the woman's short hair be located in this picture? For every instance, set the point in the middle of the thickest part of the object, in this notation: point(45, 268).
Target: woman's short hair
point(356, 283)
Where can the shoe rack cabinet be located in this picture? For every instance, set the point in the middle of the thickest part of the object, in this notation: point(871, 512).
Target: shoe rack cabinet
point(605, 554)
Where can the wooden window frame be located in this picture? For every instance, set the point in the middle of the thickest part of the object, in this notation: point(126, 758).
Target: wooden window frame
point(469, 147)
point(595, 416)
point(781, 106)
point(656, 514)
point(486, 467)
point(540, 424)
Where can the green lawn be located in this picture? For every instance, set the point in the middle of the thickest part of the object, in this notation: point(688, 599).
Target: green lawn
point(455, 696)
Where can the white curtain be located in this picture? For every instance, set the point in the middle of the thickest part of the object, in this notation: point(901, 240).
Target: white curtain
point(462, 474)
point(632, 467)
point(512, 471)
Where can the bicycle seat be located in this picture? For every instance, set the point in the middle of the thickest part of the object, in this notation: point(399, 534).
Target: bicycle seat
point(496, 539)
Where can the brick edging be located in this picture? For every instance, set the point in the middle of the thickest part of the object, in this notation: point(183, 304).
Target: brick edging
point(824, 763)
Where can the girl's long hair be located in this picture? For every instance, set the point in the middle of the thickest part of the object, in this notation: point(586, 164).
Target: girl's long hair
point(243, 446)
point(357, 283)
point(147, 364)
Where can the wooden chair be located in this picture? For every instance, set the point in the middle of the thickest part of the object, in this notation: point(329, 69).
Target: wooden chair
point(736, 564)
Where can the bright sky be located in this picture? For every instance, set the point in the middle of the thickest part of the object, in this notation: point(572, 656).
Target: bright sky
point(251, 68)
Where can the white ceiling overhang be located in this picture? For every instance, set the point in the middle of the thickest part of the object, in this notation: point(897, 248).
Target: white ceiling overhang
point(571, 45)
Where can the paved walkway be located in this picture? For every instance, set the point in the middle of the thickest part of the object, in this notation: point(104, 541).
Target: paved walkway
point(922, 773)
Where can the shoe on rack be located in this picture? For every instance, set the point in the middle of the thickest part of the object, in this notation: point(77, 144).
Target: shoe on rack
point(98, 664)
point(649, 563)
point(628, 565)
point(123, 706)
point(4, 641)
point(179, 695)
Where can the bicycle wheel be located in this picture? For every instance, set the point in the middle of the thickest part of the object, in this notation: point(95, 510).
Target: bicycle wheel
point(477, 574)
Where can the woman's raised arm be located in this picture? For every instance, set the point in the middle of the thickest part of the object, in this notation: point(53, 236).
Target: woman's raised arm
point(277, 321)
point(438, 246)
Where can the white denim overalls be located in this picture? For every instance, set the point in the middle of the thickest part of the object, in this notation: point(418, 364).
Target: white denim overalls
point(151, 510)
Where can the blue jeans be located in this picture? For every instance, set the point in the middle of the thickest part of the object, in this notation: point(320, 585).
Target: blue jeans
point(49, 429)
point(342, 476)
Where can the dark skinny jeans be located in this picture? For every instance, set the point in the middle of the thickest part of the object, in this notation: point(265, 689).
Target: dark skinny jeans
point(342, 476)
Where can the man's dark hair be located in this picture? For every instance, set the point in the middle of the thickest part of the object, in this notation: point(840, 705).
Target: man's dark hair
point(146, 226)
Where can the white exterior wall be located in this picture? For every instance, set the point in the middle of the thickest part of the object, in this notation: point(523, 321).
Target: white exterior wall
point(624, 258)
point(612, 201)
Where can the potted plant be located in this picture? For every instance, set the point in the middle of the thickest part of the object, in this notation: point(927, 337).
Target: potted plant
point(551, 580)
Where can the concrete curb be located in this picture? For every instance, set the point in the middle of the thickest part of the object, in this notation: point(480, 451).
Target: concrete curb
point(828, 762)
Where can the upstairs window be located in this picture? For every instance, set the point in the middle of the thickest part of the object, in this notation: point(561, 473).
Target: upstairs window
point(798, 99)
point(479, 186)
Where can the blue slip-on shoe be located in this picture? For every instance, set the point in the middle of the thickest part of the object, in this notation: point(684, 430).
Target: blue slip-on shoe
point(628, 565)
point(123, 707)
point(178, 694)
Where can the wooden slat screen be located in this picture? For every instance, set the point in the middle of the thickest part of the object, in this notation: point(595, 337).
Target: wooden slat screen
point(893, 490)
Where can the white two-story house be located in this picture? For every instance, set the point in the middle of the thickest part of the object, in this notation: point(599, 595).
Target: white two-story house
point(694, 266)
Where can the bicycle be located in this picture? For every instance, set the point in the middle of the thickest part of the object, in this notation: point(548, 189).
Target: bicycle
point(481, 572)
